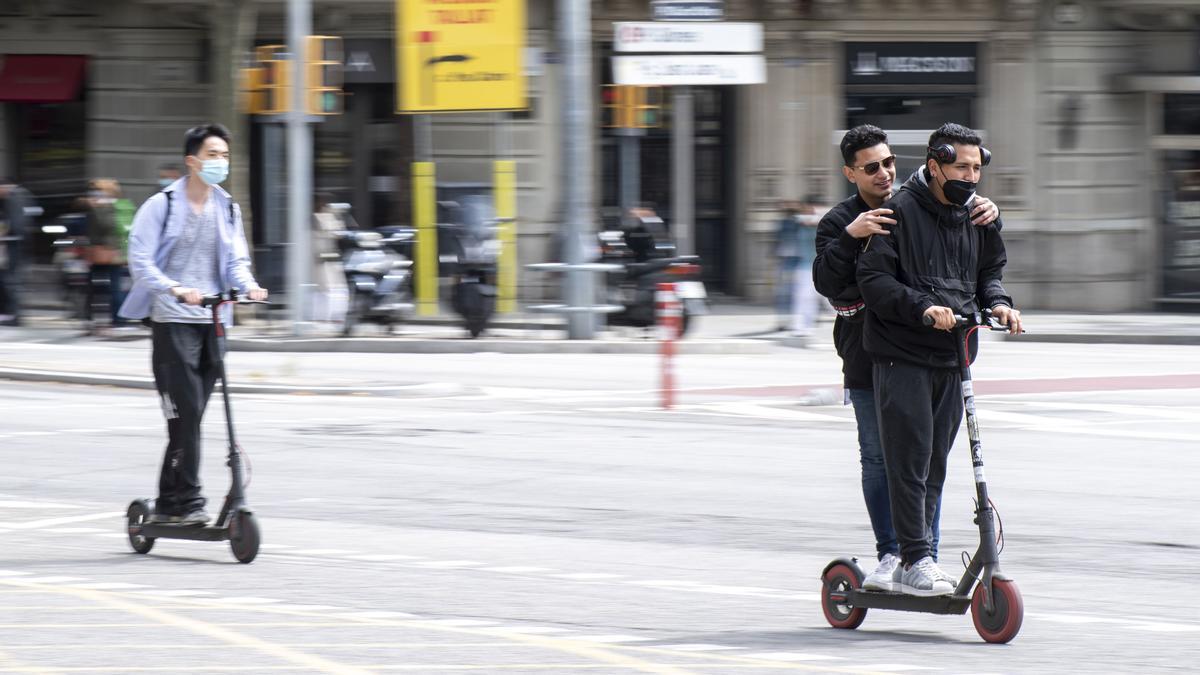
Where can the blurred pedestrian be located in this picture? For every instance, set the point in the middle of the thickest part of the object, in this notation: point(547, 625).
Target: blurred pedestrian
point(187, 243)
point(806, 303)
point(332, 297)
point(868, 164)
point(787, 259)
point(104, 251)
point(168, 174)
point(14, 227)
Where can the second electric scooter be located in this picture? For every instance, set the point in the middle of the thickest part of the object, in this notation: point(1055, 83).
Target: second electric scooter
point(996, 605)
point(236, 522)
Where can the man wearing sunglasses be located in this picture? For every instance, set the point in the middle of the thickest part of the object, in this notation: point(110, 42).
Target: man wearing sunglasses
point(871, 167)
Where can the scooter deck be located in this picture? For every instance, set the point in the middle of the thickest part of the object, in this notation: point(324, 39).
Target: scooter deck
point(171, 531)
point(937, 604)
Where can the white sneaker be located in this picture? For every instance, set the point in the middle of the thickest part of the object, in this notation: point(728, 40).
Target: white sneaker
point(882, 578)
point(923, 579)
point(946, 576)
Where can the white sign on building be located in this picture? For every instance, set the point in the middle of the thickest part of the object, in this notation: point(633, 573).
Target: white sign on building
point(665, 71)
point(681, 37)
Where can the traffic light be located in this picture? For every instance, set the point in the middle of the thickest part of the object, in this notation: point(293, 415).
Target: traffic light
point(324, 85)
point(274, 81)
point(647, 110)
point(630, 107)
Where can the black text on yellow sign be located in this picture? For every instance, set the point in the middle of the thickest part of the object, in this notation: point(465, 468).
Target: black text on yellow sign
point(460, 55)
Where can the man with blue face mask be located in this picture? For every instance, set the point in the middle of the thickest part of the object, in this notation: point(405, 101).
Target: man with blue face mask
point(187, 242)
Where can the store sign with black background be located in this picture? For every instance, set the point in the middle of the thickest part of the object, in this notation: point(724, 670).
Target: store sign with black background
point(912, 62)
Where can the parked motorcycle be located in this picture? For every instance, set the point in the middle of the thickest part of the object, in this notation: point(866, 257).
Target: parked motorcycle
point(648, 257)
point(469, 247)
point(377, 278)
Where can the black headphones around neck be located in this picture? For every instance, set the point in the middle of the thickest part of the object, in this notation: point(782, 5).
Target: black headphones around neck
point(945, 154)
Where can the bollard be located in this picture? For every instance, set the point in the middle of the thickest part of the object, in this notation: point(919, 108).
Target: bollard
point(669, 312)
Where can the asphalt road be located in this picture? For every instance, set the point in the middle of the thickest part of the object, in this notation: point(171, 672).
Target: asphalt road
point(543, 515)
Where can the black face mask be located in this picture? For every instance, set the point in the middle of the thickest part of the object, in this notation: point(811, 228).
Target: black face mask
point(959, 192)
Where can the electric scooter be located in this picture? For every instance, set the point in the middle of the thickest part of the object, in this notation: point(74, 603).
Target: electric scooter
point(996, 605)
point(236, 522)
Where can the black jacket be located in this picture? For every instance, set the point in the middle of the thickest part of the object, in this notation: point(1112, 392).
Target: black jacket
point(933, 256)
point(834, 271)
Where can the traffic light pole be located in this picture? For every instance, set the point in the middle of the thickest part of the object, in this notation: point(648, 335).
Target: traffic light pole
point(575, 16)
point(299, 160)
point(683, 168)
point(629, 150)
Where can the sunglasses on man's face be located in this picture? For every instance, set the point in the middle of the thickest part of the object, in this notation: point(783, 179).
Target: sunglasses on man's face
point(873, 168)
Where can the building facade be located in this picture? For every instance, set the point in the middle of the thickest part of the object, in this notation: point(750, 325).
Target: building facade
point(1088, 106)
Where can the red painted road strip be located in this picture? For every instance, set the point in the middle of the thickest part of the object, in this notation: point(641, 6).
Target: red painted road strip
point(1031, 386)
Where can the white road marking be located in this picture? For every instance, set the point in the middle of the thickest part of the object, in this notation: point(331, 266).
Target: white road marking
point(377, 615)
point(50, 522)
point(9, 504)
point(610, 639)
point(448, 564)
point(320, 551)
point(74, 530)
point(890, 667)
point(458, 623)
point(383, 557)
point(181, 593)
point(12, 573)
point(246, 600)
point(793, 656)
point(108, 586)
point(697, 647)
point(586, 576)
point(534, 630)
point(1167, 628)
point(50, 580)
point(519, 569)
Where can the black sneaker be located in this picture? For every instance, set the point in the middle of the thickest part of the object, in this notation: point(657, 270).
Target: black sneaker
point(196, 517)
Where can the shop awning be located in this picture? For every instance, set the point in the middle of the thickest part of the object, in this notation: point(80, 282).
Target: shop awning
point(41, 78)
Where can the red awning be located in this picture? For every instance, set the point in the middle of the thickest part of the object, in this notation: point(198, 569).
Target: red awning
point(39, 78)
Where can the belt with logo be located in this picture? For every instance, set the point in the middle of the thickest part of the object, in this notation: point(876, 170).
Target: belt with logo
point(850, 309)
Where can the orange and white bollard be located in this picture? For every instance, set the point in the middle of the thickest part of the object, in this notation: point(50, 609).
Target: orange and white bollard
point(669, 311)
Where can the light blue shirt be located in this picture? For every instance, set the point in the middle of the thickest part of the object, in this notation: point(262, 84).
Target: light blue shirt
point(151, 242)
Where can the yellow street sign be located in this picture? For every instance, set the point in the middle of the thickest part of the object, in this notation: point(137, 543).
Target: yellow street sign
point(460, 55)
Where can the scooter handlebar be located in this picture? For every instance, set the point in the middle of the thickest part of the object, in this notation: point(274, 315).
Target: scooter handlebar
point(982, 318)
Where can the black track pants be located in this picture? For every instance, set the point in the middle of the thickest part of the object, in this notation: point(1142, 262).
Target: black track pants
point(186, 366)
point(919, 410)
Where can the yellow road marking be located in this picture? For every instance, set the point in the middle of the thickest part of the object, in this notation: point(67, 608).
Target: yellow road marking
point(561, 644)
point(208, 630)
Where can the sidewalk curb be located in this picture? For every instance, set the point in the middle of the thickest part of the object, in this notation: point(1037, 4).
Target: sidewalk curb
point(404, 390)
point(399, 345)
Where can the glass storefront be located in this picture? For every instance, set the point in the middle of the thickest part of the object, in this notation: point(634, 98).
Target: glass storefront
point(1180, 230)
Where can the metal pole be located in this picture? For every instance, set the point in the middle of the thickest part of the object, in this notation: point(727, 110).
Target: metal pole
point(299, 151)
point(577, 160)
point(683, 167)
point(631, 179)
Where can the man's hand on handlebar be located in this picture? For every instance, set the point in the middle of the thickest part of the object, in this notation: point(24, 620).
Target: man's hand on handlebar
point(941, 318)
point(257, 295)
point(190, 296)
point(1009, 317)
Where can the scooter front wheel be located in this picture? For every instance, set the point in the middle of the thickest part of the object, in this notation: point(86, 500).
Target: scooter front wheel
point(244, 536)
point(835, 587)
point(136, 516)
point(1008, 611)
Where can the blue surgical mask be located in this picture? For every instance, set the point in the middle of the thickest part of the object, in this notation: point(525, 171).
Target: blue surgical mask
point(214, 171)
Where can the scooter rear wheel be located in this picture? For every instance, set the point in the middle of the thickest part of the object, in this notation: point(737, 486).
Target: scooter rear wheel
point(835, 585)
point(244, 536)
point(136, 516)
point(1008, 611)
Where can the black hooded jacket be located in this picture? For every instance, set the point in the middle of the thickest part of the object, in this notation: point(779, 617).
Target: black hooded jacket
point(833, 271)
point(933, 256)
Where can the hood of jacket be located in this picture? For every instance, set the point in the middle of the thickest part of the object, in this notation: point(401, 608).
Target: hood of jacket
point(949, 215)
